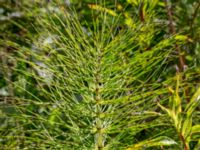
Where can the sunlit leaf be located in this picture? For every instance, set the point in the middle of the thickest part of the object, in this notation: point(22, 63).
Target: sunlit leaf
point(160, 141)
point(194, 102)
point(103, 9)
point(195, 129)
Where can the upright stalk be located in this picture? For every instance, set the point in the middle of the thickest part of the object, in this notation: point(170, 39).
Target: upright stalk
point(182, 64)
point(141, 12)
point(99, 136)
point(172, 31)
point(186, 146)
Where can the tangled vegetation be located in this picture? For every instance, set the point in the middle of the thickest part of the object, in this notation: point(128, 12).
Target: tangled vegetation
point(100, 75)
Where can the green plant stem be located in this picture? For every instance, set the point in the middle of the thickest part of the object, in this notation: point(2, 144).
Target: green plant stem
point(99, 123)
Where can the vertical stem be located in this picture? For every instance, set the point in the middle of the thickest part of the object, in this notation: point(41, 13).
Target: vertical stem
point(181, 58)
point(173, 31)
point(186, 147)
point(141, 12)
point(99, 136)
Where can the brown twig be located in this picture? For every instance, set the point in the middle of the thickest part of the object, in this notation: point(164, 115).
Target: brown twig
point(181, 66)
point(184, 142)
point(172, 30)
point(141, 12)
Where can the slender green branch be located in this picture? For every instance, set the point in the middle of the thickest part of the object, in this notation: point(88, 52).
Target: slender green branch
point(99, 123)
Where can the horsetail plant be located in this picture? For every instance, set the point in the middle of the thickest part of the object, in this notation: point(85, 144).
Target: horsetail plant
point(92, 86)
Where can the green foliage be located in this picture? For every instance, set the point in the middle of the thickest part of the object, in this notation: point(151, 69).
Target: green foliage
point(160, 141)
point(99, 76)
point(183, 120)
